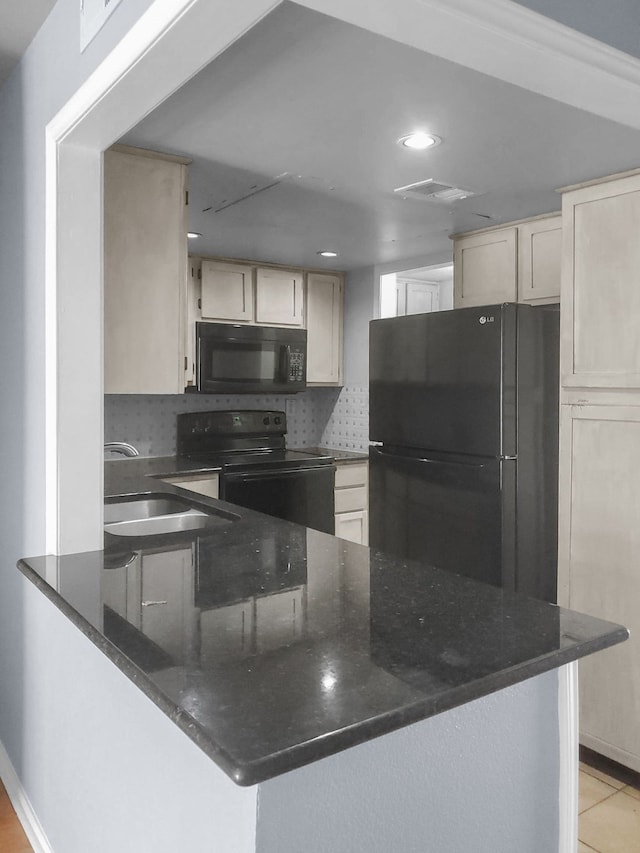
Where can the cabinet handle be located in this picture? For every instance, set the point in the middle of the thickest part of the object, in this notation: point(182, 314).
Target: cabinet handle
point(152, 603)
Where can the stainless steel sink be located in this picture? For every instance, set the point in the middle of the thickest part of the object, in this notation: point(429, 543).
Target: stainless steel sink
point(146, 506)
point(154, 515)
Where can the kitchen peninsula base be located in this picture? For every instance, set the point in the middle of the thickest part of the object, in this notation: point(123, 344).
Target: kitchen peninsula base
point(483, 777)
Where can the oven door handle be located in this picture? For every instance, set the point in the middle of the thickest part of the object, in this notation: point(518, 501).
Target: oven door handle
point(263, 475)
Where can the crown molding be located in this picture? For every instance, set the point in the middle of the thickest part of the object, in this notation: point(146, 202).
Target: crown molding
point(510, 42)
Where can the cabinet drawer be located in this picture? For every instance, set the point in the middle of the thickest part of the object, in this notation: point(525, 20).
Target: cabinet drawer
point(350, 500)
point(351, 474)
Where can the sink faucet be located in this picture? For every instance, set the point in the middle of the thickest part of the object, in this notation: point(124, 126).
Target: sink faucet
point(121, 447)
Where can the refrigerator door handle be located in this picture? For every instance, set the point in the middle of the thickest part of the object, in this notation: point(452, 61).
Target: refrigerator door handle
point(429, 461)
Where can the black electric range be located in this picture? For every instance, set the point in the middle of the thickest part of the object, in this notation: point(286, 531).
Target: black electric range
point(256, 469)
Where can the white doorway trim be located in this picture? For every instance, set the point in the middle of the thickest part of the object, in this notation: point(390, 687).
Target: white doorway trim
point(170, 43)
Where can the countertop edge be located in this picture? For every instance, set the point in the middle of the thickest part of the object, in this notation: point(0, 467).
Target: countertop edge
point(261, 770)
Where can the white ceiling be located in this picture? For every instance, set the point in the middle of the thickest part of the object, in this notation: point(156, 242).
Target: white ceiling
point(19, 22)
point(322, 103)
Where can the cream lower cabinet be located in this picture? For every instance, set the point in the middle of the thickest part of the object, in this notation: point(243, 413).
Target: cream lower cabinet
point(154, 592)
point(208, 485)
point(352, 501)
point(599, 568)
point(520, 262)
point(324, 329)
point(227, 632)
point(280, 618)
point(145, 265)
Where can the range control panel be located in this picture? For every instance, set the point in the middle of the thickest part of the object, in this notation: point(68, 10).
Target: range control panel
point(206, 432)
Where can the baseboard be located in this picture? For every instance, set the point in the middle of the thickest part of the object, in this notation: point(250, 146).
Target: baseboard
point(23, 808)
point(568, 735)
point(615, 753)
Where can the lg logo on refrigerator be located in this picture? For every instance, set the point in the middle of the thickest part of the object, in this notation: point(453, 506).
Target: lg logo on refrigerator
point(485, 319)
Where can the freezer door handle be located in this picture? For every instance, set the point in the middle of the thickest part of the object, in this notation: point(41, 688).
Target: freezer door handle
point(427, 460)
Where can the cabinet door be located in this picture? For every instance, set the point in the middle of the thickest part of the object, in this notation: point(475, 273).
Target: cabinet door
point(353, 526)
point(350, 474)
point(421, 297)
point(167, 599)
point(226, 632)
point(279, 299)
point(194, 313)
point(485, 268)
point(324, 329)
point(145, 264)
point(279, 619)
point(539, 249)
point(227, 292)
point(598, 565)
point(601, 259)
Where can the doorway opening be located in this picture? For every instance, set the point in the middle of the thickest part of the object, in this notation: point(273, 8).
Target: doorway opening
point(416, 291)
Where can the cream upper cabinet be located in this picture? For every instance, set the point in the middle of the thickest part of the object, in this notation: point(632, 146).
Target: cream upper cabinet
point(520, 262)
point(256, 294)
point(145, 266)
point(227, 292)
point(485, 268)
point(601, 286)
point(539, 254)
point(279, 297)
point(324, 329)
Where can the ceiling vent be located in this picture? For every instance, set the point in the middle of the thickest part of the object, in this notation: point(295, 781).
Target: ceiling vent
point(432, 190)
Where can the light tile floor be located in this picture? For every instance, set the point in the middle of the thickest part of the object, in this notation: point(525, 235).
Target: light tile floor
point(609, 820)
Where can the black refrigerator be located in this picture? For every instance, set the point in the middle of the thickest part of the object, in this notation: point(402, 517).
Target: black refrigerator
point(464, 429)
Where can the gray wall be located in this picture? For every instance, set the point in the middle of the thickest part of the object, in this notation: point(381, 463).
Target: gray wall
point(359, 296)
point(482, 778)
point(615, 22)
point(361, 305)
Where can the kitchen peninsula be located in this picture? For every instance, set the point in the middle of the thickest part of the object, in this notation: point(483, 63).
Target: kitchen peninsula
point(314, 673)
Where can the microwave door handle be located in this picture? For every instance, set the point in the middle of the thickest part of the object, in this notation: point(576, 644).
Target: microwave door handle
point(285, 361)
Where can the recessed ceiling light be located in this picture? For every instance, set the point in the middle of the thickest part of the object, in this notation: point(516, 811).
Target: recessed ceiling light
point(328, 254)
point(192, 235)
point(419, 140)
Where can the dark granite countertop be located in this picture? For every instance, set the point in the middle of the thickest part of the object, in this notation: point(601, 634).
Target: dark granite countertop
point(338, 455)
point(273, 646)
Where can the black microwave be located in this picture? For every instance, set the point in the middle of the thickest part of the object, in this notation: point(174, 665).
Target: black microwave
point(232, 359)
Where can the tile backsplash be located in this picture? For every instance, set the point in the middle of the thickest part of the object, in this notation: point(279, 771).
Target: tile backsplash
point(331, 417)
